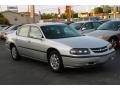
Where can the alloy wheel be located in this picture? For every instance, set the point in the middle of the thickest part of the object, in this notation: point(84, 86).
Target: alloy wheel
point(113, 42)
point(14, 53)
point(54, 61)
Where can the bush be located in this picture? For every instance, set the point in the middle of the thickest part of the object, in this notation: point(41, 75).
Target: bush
point(3, 20)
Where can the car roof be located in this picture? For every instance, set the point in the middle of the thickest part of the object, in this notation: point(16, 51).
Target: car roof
point(115, 20)
point(85, 21)
point(46, 23)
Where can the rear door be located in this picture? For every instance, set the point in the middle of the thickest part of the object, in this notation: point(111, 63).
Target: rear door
point(22, 40)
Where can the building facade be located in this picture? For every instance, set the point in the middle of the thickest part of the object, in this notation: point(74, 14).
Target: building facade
point(19, 18)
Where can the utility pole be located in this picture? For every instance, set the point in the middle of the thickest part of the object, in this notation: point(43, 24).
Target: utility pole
point(31, 10)
point(68, 12)
point(59, 14)
point(114, 11)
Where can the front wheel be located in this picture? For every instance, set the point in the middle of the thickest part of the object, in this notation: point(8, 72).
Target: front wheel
point(14, 53)
point(55, 61)
point(114, 42)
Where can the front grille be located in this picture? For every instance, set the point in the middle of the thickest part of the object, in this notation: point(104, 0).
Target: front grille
point(99, 50)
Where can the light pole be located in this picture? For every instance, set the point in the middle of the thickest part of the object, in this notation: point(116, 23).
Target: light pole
point(114, 11)
point(31, 10)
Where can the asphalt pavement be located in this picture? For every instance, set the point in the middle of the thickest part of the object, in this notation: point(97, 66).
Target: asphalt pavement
point(31, 72)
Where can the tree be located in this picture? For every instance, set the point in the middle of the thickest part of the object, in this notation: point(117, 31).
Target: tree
point(3, 20)
point(48, 16)
point(75, 15)
point(98, 10)
point(63, 15)
point(106, 8)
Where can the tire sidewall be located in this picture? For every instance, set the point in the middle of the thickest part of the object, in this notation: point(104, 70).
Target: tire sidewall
point(17, 54)
point(60, 69)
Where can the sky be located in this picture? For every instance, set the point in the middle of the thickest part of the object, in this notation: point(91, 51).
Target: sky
point(51, 8)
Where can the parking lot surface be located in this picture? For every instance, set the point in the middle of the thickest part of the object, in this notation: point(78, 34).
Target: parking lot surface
point(31, 72)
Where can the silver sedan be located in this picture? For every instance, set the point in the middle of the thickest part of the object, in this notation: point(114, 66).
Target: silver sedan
point(59, 45)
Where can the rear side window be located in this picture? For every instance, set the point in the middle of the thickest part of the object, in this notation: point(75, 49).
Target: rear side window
point(23, 31)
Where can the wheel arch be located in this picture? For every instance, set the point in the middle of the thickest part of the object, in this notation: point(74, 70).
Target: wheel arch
point(115, 37)
point(51, 49)
point(10, 45)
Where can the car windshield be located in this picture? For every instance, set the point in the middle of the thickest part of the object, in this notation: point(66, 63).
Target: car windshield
point(110, 25)
point(59, 31)
point(77, 26)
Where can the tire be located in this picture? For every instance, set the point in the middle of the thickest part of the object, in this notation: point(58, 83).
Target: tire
point(55, 61)
point(14, 53)
point(114, 42)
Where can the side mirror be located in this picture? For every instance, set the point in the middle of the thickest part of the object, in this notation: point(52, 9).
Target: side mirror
point(83, 29)
point(17, 31)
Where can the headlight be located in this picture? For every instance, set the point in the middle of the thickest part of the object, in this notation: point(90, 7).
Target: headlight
point(109, 46)
point(79, 51)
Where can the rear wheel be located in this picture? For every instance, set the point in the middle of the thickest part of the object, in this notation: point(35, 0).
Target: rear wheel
point(14, 53)
point(55, 61)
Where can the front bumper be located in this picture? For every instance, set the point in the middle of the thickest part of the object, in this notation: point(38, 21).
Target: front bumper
point(69, 61)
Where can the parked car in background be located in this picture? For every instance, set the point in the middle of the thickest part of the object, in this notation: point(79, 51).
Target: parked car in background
point(2, 26)
point(5, 28)
point(66, 22)
point(59, 45)
point(2, 29)
point(86, 26)
point(9, 30)
point(103, 21)
point(109, 31)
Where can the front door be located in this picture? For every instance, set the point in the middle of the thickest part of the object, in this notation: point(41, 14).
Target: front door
point(37, 44)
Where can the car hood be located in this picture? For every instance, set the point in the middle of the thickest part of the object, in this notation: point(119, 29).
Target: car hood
point(99, 33)
point(82, 42)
